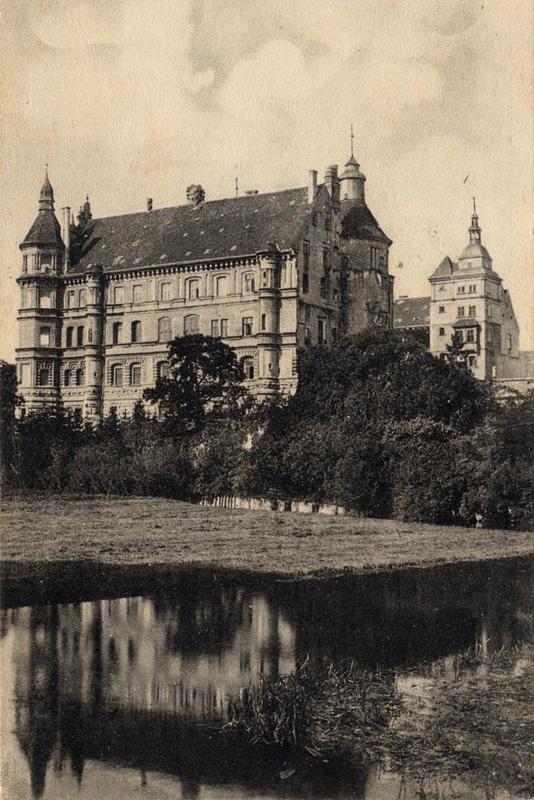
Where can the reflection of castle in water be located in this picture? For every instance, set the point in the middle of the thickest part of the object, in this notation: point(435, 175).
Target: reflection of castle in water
point(125, 680)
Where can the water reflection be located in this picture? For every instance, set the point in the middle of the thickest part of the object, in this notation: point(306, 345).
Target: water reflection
point(112, 694)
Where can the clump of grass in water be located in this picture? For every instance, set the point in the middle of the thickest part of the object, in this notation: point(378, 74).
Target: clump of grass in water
point(329, 712)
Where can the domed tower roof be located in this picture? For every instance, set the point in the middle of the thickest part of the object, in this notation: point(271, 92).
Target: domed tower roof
point(352, 179)
point(475, 252)
point(46, 229)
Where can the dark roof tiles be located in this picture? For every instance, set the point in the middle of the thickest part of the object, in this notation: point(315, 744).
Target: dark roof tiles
point(411, 312)
point(359, 223)
point(216, 229)
point(45, 230)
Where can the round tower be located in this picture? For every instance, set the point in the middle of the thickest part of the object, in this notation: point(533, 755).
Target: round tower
point(269, 327)
point(38, 354)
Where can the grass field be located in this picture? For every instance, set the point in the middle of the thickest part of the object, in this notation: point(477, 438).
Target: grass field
point(141, 530)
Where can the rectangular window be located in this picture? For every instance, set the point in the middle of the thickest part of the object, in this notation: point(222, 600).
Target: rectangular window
point(215, 328)
point(442, 331)
point(71, 299)
point(224, 327)
point(25, 374)
point(138, 293)
point(472, 361)
point(306, 256)
point(461, 311)
point(472, 288)
point(68, 337)
point(246, 329)
point(44, 337)
point(118, 295)
point(135, 375)
point(472, 311)
point(45, 298)
point(263, 321)
point(326, 259)
point(116, 332)
point(305, 283)
point(165, 292)
point(321, 330)
point(509, 341)
point(461, 290)
point(79, 336)
point(470, 335)
point(489, 312)
point(25, 300)
point(441, 309)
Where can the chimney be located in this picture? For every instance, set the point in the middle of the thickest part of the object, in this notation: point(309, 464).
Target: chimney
point(149, 204)
point(65, 234)
point(312, 185)
point(332, 183)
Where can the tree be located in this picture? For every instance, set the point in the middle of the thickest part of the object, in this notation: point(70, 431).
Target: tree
point(9, 401)
point(455, 351)
point(205, 379)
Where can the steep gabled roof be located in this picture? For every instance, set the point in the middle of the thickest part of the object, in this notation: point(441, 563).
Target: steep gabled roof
point(411, 312)
point(211, 230)
point(445, 269)
point(45, 230)
point(357, 222)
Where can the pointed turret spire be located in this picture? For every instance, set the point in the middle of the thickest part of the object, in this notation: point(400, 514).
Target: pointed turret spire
point(46, 197)
point(475, 230)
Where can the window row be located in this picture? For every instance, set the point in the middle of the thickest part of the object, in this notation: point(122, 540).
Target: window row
point(471, 289)
point(124, 376)
point(73, 377)
point(472, 311)
point(193, 289)
point(75, 336)
point(191, 325)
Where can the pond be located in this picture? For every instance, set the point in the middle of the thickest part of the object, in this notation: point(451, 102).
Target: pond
point(127, 697)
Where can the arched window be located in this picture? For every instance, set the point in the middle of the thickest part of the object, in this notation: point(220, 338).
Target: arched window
point(163, 369)
point(68, 337)
point(45, 298)
point(164, 329)
point(135, 375)
point(247, 365)
point(116, 375)
point(44, 336)
point(221, 286)
point(191, 324)
point(79, 377)
point(136, 331)
point(67, 377)
point(44, 375)
point(165, 292)
point(83, 298)
point(79, 336)
point(249, 282)
point(116, 332)
point(193, 289)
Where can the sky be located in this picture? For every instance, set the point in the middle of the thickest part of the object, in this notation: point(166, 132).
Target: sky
point(129, 99)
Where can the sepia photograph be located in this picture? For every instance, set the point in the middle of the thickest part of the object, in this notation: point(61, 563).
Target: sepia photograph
point(267, 400)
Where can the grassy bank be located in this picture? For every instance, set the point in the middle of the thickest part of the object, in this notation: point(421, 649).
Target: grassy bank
point(71, 539)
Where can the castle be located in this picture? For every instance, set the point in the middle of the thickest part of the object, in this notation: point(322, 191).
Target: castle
point(267, 273)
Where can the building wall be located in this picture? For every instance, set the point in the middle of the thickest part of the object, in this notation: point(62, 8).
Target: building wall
point(109, 333)
point(494, 352)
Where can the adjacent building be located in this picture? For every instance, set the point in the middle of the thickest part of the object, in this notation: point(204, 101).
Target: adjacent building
point(267, 273)
point(467, 299)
